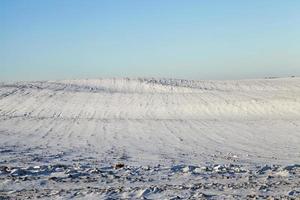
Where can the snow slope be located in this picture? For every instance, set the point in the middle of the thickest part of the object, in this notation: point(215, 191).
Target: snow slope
point(151, 121)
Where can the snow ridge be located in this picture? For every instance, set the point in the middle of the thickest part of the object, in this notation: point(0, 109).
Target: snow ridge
point(153, 99)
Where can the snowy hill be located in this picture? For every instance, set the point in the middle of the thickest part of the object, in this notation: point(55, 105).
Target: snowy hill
point(152, 99)
point(150, 121)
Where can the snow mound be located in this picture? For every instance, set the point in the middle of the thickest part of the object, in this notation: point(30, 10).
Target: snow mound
point(153, 99)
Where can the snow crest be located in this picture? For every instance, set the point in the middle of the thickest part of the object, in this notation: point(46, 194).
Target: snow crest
point(153, 99)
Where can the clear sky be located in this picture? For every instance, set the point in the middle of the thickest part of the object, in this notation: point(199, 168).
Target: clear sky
point(193, 39)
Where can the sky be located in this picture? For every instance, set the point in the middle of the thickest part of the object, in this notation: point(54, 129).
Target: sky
point(193, 39)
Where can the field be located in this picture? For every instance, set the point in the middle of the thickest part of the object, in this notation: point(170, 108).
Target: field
point(149, 138)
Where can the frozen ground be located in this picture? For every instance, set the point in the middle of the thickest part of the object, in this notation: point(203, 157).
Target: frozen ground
point(176, 139)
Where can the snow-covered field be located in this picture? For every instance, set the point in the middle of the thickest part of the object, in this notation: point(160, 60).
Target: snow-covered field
point(150, 139)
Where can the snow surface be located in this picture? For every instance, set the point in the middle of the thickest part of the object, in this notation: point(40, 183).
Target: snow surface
point(167, 132)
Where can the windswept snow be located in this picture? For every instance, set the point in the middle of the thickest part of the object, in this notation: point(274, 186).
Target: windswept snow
point(183, 131)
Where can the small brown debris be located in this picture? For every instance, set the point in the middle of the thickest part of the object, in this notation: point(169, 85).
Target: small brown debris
point(119, 165)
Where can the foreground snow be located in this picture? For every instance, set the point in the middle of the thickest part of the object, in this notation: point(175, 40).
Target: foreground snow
point(157, 182)
point(176, 138)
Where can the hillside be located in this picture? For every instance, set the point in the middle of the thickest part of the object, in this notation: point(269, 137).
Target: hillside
point(150, 122)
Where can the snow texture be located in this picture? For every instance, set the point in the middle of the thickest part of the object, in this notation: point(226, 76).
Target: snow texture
point(150, 138)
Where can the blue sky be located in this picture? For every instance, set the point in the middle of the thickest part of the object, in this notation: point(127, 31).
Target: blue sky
point(212, 39)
